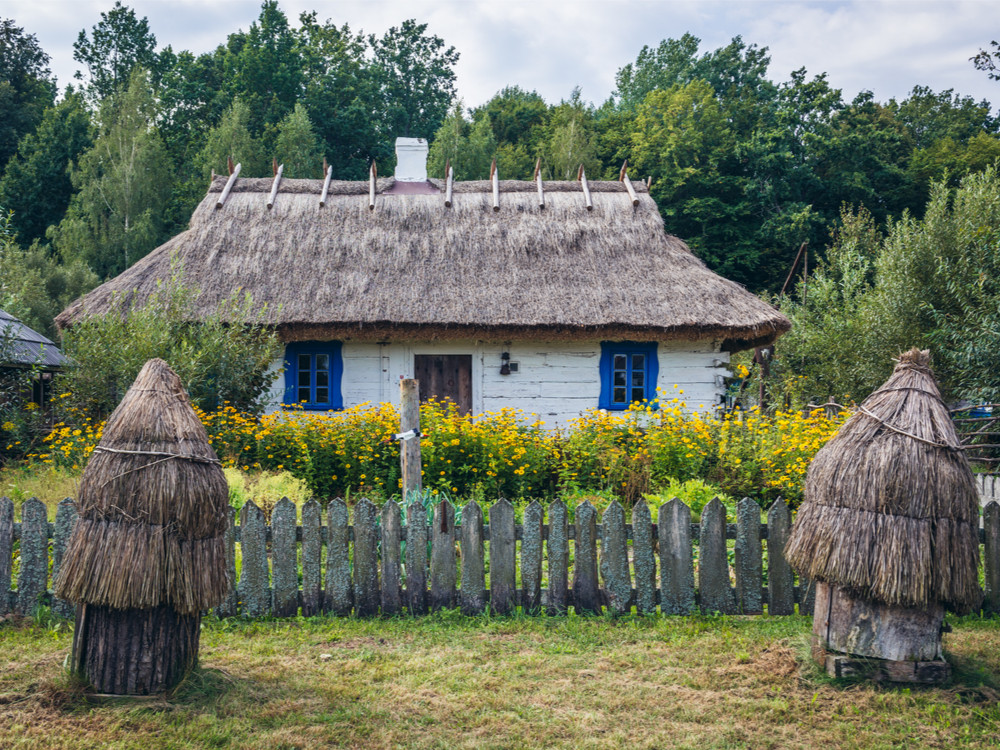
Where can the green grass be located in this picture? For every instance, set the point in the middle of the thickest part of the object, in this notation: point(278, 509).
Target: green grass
point(448, 681)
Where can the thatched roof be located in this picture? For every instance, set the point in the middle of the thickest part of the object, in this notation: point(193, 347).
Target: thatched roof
point(152, 504)
point(413, 265)
point(891, 510)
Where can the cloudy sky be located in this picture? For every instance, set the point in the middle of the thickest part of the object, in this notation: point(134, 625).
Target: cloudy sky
point(549, 46)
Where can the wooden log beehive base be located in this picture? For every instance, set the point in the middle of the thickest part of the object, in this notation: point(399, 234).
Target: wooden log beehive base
point(134, 651)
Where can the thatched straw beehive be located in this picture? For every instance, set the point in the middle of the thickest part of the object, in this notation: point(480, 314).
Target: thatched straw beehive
point(891, 512)
point(148, 547)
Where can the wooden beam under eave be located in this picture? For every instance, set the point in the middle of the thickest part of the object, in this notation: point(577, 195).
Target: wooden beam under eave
point(449, 184)
point(326, 184)
point(582, 176)
point(274, 186)
point(229, 186)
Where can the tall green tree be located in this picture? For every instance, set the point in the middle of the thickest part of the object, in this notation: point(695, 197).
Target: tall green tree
point(27, 88)
point(296, 146)
point(232, 138)
point(117, 44)
point(123, 182)
point(36, 184)
point(470, 147)
point(572, 141)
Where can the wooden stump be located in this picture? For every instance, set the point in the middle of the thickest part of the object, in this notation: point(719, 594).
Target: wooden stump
point(134, 651)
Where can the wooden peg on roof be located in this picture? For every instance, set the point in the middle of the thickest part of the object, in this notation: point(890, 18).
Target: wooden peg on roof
point(372, 179)
point(449, 183)
point(495, 178)
point(623, 177)
point(278, 169)
point(233, 174)
point(538, 182)
point(327, 176)
point(229, 164)
point(274, 165)
point(582, 177)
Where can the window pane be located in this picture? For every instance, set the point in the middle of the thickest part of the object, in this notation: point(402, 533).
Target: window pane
point(619, 378)
point(621, 361)
point(322, 395)
point(638, 378)
point(303, 395)
point(304, 378)
point(305, 362)
point(322, 362)
point(323, 378)
point(638, 394)
point(619, 396)
point(638, 361)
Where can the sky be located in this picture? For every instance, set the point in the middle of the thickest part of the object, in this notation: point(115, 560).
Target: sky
point(883, 46)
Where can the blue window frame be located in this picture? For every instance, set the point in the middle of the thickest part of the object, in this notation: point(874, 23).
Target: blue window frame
point(628, 373)
point(313, 373)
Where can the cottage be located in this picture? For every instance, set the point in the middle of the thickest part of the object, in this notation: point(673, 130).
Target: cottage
point(27, 353)
point(550, 297)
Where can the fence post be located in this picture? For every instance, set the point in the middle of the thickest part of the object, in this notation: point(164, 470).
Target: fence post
point(409, 450)
point(253, 588)
point(558, 548)
point(614, 559)
point(643, 559)
point(312, 553)
point(366, 593)
point(503, 575)
point(780, 583)
point(676, 559)
point(392, 601)
point(6, 554)
point(229, 605)
point(416, 558)
point(713, 565)
point(33, 582)
point(443, 556)
point(338, 596)
point(65, 520)
point(473, 575)
point(531, 558)
point(284, 560)
point(749, 560)
point(586, 594)
point(991, 557)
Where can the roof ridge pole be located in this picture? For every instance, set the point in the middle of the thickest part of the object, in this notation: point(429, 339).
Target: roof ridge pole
point(326, 183)
point(372, 177)
point(274, 186)
point(449, 177)
point(229, 186)
point(496, 185)
point(623, 177)
point(538, 181)
point(582, 177)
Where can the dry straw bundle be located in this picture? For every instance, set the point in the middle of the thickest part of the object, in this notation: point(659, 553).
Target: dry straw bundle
point(152, 505)
point(891, 511)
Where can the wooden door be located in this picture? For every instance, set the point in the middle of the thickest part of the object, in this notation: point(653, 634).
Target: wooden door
point(445, 376)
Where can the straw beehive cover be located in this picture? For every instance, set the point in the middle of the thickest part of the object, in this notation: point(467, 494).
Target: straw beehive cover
point(891, 511)
point(153, 506)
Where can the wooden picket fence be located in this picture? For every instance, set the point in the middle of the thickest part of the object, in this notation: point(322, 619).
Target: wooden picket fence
point(392, 560)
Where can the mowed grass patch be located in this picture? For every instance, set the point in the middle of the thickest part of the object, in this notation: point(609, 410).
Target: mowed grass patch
point(448, 681)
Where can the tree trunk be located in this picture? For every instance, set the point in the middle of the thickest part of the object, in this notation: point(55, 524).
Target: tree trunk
point(134, 651)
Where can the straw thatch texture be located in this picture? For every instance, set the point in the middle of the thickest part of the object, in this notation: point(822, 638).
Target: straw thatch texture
point(412, 264)
point(152, 506)
point(891, 511)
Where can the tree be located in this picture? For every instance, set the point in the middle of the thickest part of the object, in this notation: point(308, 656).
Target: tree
point(124, 182)
point(117, 44)
point(988, 61)
point(36, 184)
point(296, 146)
point(415, 75)
point(26, 86)
point(231, 138)
point(572, 142)
point(469, 147)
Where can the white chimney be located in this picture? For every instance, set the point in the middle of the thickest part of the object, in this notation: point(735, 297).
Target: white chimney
point(411, 160)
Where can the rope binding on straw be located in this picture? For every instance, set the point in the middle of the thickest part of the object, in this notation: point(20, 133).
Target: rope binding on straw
point(166, 457)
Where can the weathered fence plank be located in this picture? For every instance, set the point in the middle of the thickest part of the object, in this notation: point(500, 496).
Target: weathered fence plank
point(255, 594)
point(443, 572)
point(558, 549)
point(366, 539)
point(991, 558)
point(338, 595)
point(531, 557)
point(807, 596)
point(643, 559)
point(473, 594)
point(780, 582)
point(749, 561)
point(416, 559)
point(676, 559)
point(6, 554)
point(614, 559)
point(586, 592)
point(392, 595)
point(229, 606)
point(713, 565)
point(312, 555)
point(503, 580)
point(34, 579)
point(284, 563)
point(65, 520)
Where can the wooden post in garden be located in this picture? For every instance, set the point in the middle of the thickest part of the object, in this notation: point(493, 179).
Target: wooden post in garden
point(409, 450)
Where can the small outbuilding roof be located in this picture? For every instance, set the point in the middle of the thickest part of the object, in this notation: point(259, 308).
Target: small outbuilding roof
point(28, 348)
point(484, 266)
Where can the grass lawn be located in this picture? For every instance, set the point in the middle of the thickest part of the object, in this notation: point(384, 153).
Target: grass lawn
point(448, 681)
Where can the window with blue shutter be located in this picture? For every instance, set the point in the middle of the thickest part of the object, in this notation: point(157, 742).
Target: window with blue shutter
point(313, 373)
point(628, 373)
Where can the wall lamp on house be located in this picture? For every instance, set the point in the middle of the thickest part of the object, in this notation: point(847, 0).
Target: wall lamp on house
point(505, 363)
